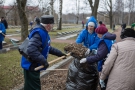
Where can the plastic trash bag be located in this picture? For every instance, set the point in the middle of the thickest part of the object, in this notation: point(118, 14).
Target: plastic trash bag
point(82, 76)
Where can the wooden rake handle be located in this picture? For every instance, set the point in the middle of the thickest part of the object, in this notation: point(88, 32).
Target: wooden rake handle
point(40, 67)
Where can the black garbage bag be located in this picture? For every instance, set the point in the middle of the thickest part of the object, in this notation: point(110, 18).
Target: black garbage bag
point(82, 76)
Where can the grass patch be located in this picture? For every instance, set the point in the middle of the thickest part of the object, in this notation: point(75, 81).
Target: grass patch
point(11, 72)
point(12, 30)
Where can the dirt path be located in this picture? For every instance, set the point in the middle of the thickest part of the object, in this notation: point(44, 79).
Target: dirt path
point(118, 32)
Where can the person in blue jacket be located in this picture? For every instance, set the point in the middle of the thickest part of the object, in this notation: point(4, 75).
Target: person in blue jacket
point(104, 47)
point(88, 36)
point(80, 77)
point(2, 34)
point(39, 38)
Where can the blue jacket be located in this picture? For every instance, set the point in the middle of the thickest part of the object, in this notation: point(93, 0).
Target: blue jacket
point(33, 48)
point(109, 45)
point(2, 28)
point(89, 40)
point(39, 38)
point(104, 48)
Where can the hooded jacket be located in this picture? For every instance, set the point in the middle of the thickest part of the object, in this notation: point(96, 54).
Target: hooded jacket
point(89, 40)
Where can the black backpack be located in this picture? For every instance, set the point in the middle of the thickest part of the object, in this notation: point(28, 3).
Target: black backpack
point(23, 47)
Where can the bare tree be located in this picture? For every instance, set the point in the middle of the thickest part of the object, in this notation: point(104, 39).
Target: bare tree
point(130, 6)
point(51, 7)
point(12, 14)
point(119, 9)
point(2, 12)
point(24, 21)
point(94, 7)
point(59, 27)
point(107, 6)
point(77, 9)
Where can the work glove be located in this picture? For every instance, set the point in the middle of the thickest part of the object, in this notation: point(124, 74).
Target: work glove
point(102, 83)
point(0, 31)
point(87, 52)
point(44, 63)
point(83, 60)
point(63, 54)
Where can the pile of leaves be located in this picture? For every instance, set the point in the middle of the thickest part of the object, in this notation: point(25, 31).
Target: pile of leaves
point(76, 50)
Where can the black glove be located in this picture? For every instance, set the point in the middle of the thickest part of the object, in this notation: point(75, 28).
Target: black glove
point(64, 55)
point(44, 63)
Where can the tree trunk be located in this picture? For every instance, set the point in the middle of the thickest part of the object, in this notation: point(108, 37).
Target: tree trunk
point(129, 18)
point(15, 15)
point(24, 21)
point(60, 16)
point(94, 8)
point(110, 14)
point(77, 9)
point(111, 19)
point(51, 6)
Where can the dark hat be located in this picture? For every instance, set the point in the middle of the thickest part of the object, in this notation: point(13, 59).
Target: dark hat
point(101, 30)
point(47, 19)
point(128, 32)
point(100, 22)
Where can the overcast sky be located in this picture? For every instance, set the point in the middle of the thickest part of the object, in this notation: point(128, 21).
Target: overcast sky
point(69, 6)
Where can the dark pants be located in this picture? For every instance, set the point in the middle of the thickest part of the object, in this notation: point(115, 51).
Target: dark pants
point(32, 80)
point(0, 44)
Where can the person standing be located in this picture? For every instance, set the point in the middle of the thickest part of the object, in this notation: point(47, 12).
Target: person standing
point(82, 24)
point(104, 47)
point(80, 77)
point(120, 65)
point(37, 21)
point(38, 49)
point(2, 34)
point(3, 20)
point(31, 23)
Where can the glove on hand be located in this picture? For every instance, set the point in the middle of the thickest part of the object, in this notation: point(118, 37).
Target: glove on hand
point(64, 55)
point(83, 60)
point(102, 83)
point(87, 52)
point(44, 63)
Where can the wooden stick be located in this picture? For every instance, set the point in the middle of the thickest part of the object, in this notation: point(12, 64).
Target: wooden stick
point(40, 67)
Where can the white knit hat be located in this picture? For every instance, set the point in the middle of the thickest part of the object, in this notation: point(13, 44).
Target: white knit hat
point(91, 24)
